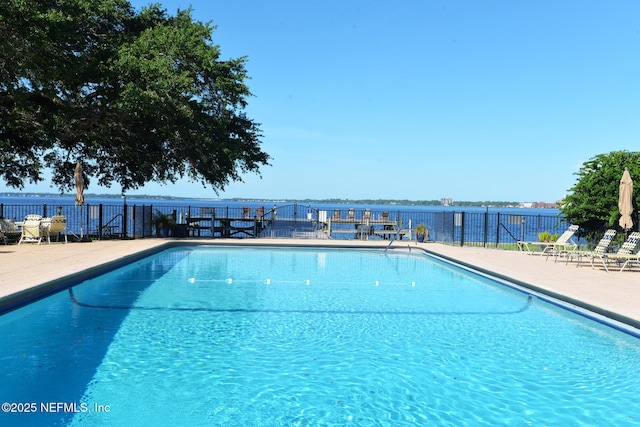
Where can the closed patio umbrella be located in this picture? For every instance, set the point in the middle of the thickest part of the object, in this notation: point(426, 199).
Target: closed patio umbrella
point(79, 179)
point(625, 201)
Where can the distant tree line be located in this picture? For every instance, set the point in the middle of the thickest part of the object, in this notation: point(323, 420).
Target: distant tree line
point(400, 202)
point(406, 202)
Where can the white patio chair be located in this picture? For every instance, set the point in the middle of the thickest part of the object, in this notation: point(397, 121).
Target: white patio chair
point(57, 226)
point(31, 231)
point(599, 251)
point(564, 243)
point(627, 254)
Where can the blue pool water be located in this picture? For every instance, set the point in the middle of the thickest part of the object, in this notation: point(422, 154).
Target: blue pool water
point(256, 336)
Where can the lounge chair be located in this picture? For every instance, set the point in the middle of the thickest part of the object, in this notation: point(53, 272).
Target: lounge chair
point(336, 215)
point(31, 231)
point(9, 231)
point(600, 249)
point(626, 255)
point(564, 243)
point(57, 226)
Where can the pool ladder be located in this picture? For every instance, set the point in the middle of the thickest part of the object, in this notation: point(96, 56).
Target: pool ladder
point(395, 237)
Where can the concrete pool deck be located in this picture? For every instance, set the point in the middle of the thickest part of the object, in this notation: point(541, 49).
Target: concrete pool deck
point(614, 294)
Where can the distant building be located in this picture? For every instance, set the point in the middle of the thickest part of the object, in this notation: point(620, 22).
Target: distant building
point(540, 205)
point(446, 201)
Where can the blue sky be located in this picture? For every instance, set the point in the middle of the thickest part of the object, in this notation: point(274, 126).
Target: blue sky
point(473, 100)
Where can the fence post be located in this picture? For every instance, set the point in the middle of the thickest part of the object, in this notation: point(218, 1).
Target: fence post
point(462, 228)
point(498, 231)
point(442, 223)
point(151, 223)
point(486, 228)
point(124, 220)
point(213, 223)
point(133, 218)
point(295, 217)
point(100, 220)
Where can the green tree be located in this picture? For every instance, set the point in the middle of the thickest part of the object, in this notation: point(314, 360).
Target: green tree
point(136, 96)
point(593, 200)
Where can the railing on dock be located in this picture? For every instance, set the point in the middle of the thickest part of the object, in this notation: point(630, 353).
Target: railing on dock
point(122, 221)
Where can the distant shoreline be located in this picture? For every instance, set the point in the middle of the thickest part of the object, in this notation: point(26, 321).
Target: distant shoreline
point(497, 204)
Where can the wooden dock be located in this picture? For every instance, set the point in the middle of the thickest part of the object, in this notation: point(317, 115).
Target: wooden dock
point(252, 223)
point(225, 226)
point(363, 228)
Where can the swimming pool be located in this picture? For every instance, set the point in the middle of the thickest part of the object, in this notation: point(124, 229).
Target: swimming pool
point(266, 336)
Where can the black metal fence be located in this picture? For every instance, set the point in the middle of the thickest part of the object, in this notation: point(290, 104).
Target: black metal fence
point(464, 228)
point(492, 229)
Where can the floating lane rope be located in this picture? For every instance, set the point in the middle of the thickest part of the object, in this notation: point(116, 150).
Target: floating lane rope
point(513, 311)
point(269, 281)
